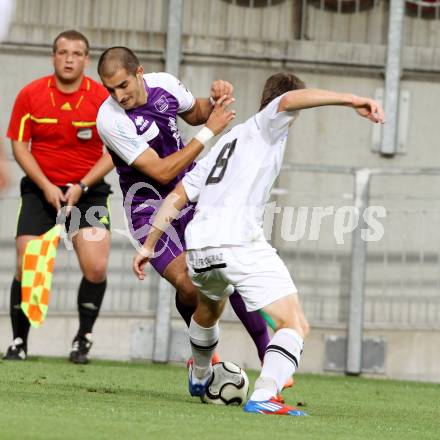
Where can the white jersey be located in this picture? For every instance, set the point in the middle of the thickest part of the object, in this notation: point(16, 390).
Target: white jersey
point(232, 183)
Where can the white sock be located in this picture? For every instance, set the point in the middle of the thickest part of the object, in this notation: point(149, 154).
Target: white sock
point(203, 343)
point(280, 362)
point(265, 388)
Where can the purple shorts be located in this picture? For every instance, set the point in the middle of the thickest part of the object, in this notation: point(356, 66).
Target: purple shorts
point(172, 242)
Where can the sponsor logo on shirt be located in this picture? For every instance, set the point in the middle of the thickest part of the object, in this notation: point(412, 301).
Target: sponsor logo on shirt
point(172, 123)
point(141, 122)
point(161, 104)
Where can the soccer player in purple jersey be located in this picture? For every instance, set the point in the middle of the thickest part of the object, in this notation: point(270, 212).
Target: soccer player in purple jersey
point(138, 124)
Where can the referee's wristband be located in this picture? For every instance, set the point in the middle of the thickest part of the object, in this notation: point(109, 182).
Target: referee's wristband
point(204, 135)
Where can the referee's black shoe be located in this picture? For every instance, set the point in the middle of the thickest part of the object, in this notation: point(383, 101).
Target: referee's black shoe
point(80, 348)
point(17, 351)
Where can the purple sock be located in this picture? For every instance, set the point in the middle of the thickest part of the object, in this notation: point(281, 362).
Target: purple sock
point(185, 310)
point(253, 322)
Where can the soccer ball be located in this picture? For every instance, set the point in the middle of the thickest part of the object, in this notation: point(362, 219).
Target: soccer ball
point(228, 385)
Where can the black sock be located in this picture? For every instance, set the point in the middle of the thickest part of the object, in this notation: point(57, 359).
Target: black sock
point(186, 311)
point(90, 296)
point(20, 324)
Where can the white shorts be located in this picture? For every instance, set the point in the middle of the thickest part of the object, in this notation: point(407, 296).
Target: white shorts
point(254, 269)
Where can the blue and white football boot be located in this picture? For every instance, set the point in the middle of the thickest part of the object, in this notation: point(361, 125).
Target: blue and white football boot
point(197, 387)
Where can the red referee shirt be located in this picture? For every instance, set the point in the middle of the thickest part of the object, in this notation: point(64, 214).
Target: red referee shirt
point(60, 126)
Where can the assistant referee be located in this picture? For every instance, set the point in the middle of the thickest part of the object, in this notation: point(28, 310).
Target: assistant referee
point(55, 142)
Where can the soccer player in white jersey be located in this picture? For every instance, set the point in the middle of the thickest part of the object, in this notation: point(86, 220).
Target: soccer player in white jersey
point(226, 248)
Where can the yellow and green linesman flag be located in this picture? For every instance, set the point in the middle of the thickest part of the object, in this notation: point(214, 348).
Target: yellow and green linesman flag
point(38, 264)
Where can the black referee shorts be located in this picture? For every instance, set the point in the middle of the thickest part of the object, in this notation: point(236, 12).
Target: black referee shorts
point(37, 216)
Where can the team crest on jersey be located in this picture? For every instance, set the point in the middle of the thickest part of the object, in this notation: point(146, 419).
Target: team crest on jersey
point(141, 122)
point(162, 104)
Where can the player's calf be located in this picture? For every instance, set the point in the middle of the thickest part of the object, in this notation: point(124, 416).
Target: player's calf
point(286, 312)
point(208, 311)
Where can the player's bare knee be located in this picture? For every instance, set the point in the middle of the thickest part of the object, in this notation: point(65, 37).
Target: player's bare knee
point(96, 273)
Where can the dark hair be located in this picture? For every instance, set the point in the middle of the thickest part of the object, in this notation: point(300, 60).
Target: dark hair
point(278, 84)
point(115, 58)
point(71, 34)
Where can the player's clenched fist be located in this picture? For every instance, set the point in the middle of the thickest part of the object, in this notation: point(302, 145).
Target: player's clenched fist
point(369, 108)
point(220, 88)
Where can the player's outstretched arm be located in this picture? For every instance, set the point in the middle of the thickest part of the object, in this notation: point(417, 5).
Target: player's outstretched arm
point(203, 107)
point(163, 170)
point(169, 210)
point(309, 98)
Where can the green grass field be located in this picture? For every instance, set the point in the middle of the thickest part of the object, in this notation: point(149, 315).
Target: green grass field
point(52, 399)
